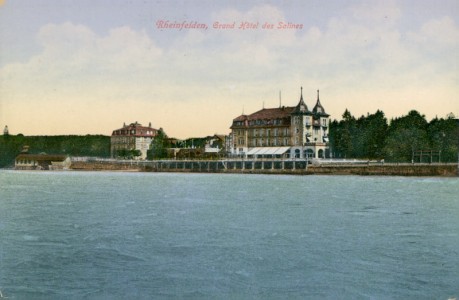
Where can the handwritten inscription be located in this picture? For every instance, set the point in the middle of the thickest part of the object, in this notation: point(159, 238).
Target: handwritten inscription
point(244, 26)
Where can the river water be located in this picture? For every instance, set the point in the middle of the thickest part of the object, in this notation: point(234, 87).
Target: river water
point(102, 235)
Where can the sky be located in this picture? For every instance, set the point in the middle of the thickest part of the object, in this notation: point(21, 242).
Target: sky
point(87, 67)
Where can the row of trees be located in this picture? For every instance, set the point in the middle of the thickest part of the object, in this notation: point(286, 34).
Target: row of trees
point(373, 137)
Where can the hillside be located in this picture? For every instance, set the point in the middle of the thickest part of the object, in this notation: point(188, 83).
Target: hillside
point(73, 145)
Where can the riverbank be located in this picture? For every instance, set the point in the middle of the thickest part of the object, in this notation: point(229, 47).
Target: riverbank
point(290, 167)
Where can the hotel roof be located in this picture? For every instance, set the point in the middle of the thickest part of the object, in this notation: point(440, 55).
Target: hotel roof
point(268, 114)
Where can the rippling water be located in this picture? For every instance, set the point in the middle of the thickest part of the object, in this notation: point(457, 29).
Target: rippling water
point(148, 235)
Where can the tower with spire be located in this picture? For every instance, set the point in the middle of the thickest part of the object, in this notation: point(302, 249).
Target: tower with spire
point(309, 130)
point(301, 108)
point(294, 131)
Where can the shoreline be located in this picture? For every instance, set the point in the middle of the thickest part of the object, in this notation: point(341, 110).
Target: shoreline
point(256, 172)
point(270, 168)
point(267, 167)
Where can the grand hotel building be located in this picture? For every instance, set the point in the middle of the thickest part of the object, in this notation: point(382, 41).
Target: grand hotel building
point(294, 132)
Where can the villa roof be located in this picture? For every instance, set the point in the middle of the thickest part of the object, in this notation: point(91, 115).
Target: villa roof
point(135, 129)
point(241, 118)
point(42, 157)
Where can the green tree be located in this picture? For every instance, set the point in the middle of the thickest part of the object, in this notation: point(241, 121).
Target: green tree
point(159, 146)
point(401, 143)
point(405, 135)
point(412, 120)
point(444, 136)
point(341, 135)
point(372, 131)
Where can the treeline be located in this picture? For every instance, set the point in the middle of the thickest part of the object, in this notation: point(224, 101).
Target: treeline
point(73, 145)
point(373, 137)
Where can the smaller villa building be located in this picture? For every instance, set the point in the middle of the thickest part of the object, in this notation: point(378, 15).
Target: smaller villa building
point(25, 161)
point(132, 138)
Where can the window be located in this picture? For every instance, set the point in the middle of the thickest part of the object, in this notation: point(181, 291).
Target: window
point(321, 153)
point(297, 153)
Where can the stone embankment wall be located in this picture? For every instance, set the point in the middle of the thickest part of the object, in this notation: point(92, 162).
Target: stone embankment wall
point(389, 170)
point(268, 167)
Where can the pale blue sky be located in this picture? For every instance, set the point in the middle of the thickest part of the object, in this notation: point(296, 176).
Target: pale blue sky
point(76, 67)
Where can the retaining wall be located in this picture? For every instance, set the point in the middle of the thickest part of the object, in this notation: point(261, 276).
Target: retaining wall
point(269, 167)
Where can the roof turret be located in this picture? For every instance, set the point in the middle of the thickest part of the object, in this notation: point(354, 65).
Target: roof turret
point(319, 109)
point(301, 108)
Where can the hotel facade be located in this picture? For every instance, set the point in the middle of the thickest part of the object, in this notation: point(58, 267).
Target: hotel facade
point(283, 132)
